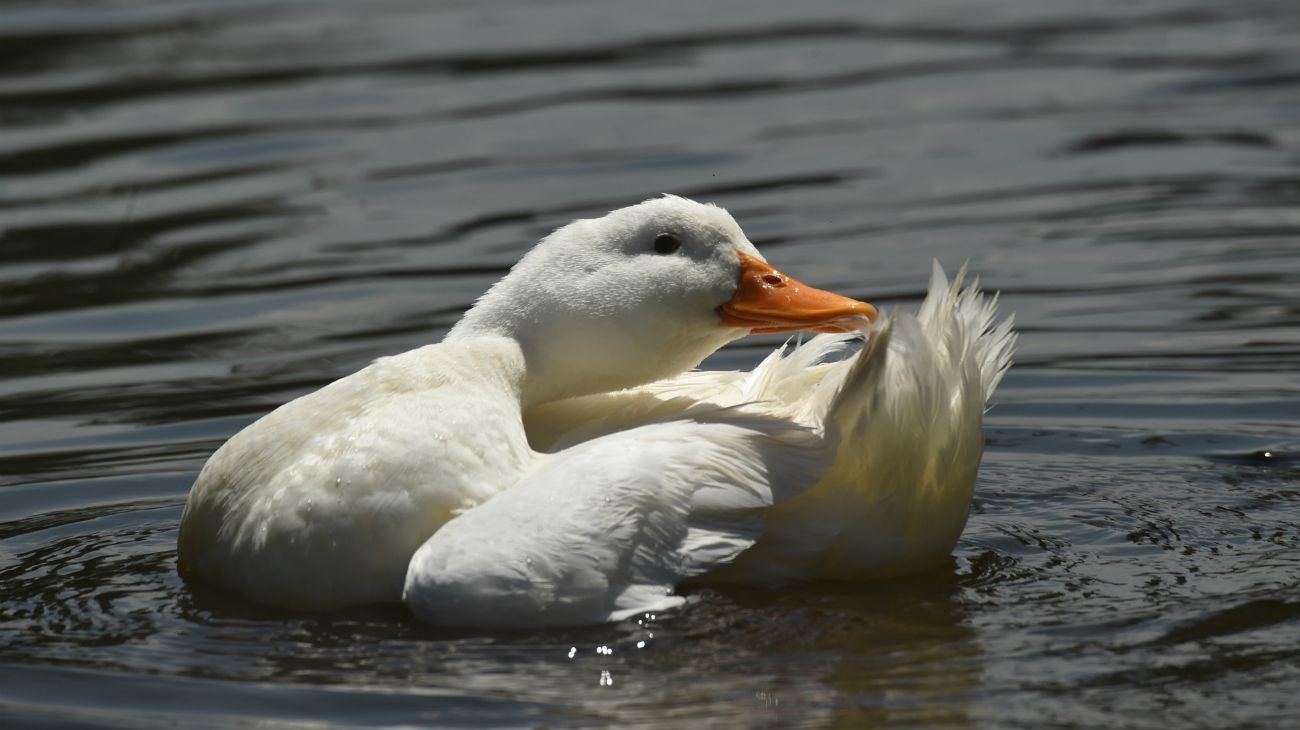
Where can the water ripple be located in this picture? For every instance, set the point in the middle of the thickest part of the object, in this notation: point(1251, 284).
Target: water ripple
point(208, 209)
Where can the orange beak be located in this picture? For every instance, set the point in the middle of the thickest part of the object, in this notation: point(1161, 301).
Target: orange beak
point(768, 301)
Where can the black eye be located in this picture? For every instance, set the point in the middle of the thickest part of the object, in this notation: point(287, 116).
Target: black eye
point(667, 243)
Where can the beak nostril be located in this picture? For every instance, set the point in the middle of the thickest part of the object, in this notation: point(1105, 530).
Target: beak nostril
point(767, 301)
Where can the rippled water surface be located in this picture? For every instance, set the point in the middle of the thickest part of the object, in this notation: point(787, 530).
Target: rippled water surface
point(209, 208)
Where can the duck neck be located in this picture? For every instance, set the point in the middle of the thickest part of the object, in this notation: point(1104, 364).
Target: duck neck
point(569, 351)
point(544, 381)
point(535, 374)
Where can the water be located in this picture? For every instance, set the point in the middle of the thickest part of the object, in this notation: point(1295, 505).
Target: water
point(209, 208)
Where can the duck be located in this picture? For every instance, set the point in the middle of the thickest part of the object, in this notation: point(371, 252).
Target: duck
point(416, 480)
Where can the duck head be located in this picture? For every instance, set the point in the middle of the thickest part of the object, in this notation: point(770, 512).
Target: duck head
point(641, 294)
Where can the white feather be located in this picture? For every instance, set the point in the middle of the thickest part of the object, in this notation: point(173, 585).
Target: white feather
point(650, 507)
point(905, 413)
point(475, 480)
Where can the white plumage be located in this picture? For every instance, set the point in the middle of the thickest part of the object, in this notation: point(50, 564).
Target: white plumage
point(609, 527)
point(502, 478)
point(904, 416)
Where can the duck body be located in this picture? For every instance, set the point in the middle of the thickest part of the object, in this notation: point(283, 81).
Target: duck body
point(320, 504)
point(553, 462)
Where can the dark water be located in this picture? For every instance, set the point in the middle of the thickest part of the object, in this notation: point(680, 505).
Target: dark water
point(208, 208)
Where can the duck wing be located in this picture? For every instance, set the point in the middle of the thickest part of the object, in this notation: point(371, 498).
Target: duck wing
point(791, 383)
point(608, 528)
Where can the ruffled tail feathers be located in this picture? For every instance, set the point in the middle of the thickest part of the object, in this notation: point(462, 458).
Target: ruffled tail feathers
point(965, 318)
point(906, 413)
point(957, 321)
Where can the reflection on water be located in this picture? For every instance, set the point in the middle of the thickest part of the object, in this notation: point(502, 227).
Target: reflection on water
point(209, 208)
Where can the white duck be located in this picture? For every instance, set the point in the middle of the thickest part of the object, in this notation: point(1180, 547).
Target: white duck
point(321, 503)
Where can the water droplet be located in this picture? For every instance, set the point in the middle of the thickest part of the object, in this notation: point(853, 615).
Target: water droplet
point(640, 645)
point(338, 481)
point(767, 698)
point(528, 561)
point(605, 679)
point(573, 651)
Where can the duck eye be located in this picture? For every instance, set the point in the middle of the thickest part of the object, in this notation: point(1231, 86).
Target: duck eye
point(667, 243)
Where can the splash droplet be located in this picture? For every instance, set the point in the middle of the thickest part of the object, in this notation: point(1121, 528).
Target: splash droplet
point(605, 679)
point(573, 651)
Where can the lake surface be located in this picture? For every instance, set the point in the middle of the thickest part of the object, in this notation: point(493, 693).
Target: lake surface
point(210, 208)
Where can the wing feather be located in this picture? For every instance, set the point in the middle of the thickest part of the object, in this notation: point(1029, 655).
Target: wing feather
point(607, 529)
